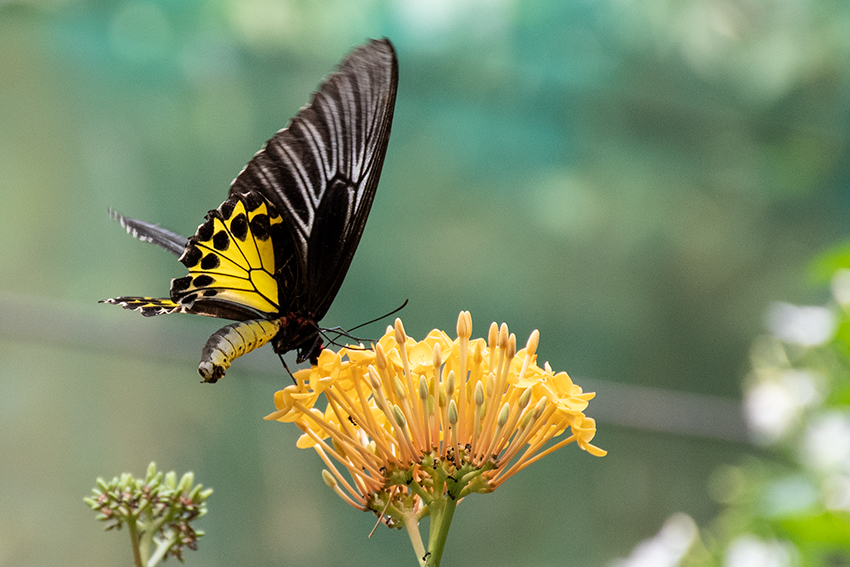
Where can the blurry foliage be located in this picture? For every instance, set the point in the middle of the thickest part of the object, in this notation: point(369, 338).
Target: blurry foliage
point(787, 503)
point(670, 165)
point(638, 178)
point(790, 504)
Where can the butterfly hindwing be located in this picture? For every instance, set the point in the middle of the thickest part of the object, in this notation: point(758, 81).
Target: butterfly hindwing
point(147, 306)
point(152, 233)
point(232, 260)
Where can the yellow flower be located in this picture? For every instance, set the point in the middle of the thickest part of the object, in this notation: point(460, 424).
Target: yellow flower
point(413, 422)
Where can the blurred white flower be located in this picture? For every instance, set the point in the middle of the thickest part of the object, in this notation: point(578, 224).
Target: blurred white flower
point(826, 446)
point(667, 548)
point(776, 400)
point(750, 551)
point(802, 325)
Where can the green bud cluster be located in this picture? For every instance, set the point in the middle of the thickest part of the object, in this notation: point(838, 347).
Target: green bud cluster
point(158, 511)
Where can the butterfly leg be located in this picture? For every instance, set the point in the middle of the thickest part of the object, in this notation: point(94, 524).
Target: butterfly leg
point(311, 349)
point(338, 332)
point(288, 371)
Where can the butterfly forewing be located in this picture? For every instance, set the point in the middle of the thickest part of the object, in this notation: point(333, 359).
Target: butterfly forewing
point(332, 152)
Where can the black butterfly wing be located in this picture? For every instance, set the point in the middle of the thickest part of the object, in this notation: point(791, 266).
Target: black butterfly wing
point(233, 260)
point(321, 173)
point(155, 234)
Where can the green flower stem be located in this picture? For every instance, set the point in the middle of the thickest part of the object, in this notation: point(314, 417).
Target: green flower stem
point(134, 541)
point(162, 547)
point(423, 513)
point(442, 511)
point(411, 523)
point(142, 544)
point(421, 492)
point(148, 533)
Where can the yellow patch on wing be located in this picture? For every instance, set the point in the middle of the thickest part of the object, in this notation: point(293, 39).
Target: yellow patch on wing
point(231, 258)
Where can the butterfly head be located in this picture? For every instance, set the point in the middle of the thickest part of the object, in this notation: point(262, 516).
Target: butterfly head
point(301, 334)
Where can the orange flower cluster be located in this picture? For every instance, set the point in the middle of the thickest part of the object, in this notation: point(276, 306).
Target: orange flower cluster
point(411, 421)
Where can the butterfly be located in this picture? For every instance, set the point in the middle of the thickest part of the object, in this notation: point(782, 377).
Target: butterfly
point(273, 256)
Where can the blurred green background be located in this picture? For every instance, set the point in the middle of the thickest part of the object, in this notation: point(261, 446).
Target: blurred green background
point(638, 179)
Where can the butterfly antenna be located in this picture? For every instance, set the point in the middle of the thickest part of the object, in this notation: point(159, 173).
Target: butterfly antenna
point(393, 312)
point(340, 332)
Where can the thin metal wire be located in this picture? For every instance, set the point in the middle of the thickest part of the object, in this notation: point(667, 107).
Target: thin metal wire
point(95, 327)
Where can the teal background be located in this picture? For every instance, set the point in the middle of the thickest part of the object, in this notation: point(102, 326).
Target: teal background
point(637, 179)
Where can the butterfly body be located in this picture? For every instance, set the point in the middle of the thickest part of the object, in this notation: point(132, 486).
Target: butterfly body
point(273, 255)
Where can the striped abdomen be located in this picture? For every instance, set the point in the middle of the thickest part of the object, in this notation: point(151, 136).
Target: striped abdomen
point(230, 342)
